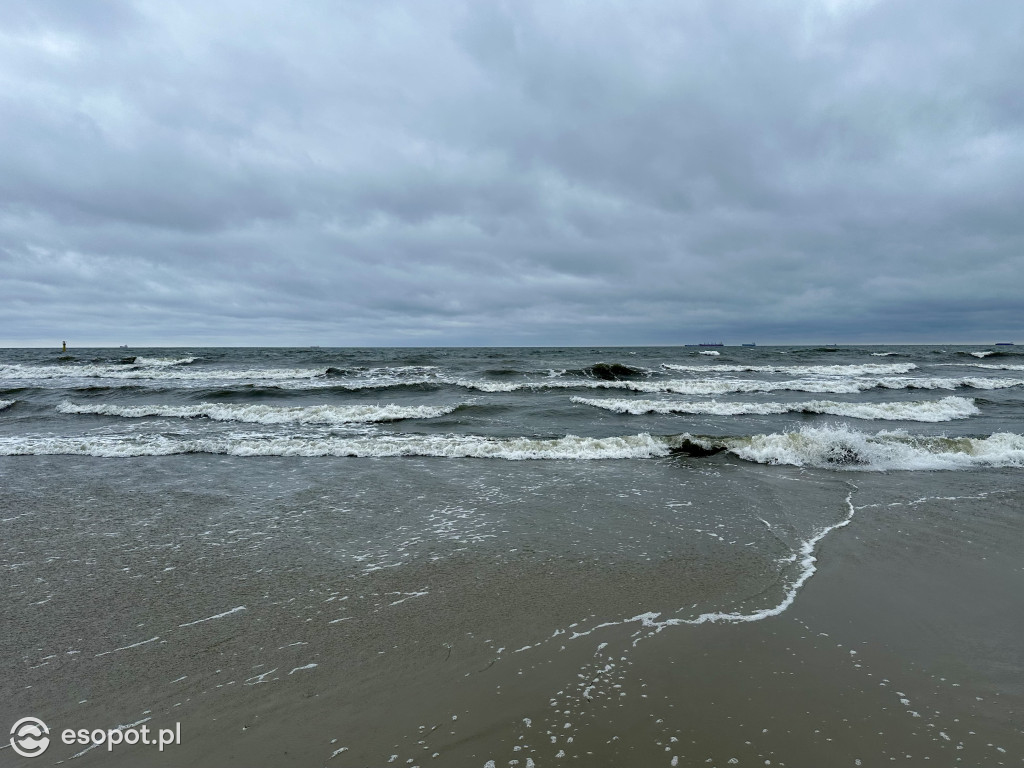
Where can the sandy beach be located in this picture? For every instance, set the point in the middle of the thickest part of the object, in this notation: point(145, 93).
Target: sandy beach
point(904, 645)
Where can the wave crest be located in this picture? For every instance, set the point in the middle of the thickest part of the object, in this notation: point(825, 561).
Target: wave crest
point(267, 414)
point(844, 448)
point(864, 369)
point(945, 409)
point(446, 446)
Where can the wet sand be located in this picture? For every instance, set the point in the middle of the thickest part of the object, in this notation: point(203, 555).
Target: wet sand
point(904, 647)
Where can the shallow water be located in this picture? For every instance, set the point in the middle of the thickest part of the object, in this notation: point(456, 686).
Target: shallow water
point(188, 526)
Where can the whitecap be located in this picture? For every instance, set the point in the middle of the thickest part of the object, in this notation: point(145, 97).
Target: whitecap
point(944, 409)
point(267, 414)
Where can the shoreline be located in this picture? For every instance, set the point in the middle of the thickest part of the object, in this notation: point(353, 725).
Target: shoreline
point(892, 615)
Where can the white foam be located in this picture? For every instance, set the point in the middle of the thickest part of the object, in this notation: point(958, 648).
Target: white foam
point(874, 369)
point(267, 414)
point(160, 362)
point(972, 382)
point(128, 647)
point(450, 446)
point(721, 386)
point(981, 354)
point(850, 385)
point(945, 409)
point(165, 372)
point(989, 366)
point(211, 618)
point(829, 447)
point(840, 447)
point(710, 352)
point(807, 566)
point(6, 404)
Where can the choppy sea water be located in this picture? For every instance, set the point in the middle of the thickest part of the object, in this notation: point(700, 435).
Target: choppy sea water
point(256, 491)
point(844, 408)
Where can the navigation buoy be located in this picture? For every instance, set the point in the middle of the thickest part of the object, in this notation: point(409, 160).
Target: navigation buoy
point(63, 346)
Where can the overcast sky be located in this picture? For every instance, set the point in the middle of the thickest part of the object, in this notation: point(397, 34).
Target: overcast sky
point(437, 172)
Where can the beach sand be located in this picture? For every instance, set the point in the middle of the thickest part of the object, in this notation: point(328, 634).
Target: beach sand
point(905, 646)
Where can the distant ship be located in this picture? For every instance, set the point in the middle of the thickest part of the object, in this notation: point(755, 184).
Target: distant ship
point(707, 344)
point(749, 344)
point(1004, 343)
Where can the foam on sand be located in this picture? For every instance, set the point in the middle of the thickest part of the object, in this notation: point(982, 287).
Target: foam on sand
point(945, 409)
point(804, 557)
point(237, 609)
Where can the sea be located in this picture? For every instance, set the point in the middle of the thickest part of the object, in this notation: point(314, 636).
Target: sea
point(321, 508)
point(837, 408)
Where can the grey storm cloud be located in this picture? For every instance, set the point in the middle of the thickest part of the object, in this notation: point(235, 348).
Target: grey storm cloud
point(511, 172)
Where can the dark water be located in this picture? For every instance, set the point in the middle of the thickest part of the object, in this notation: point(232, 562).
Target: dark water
point(326, 506)
point(840, 407)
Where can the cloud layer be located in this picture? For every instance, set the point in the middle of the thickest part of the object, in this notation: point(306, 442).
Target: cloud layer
point(511, 173)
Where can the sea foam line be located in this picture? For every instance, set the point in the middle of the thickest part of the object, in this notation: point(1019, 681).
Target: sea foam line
point(266, 414)
point(843, 448)
point(829, 447)
point(808, 569)
point(945, 409)
point(650, 619)
point(723, 386)
point(211, 618)
point(128, 647)
point(860, 369)
point(445, 446)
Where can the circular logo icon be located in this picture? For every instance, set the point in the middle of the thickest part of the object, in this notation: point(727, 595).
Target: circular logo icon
point(30, 737)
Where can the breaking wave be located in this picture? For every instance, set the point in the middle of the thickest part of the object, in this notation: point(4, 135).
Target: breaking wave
point(268, 414)
point(873, 369)
point(162, 362)
point(169, 370)
point(733, 386)
point(5, 404)
point(840, 447)
point(447, 446)
point(833, 447)
point(989, 366)
point(945, 409)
